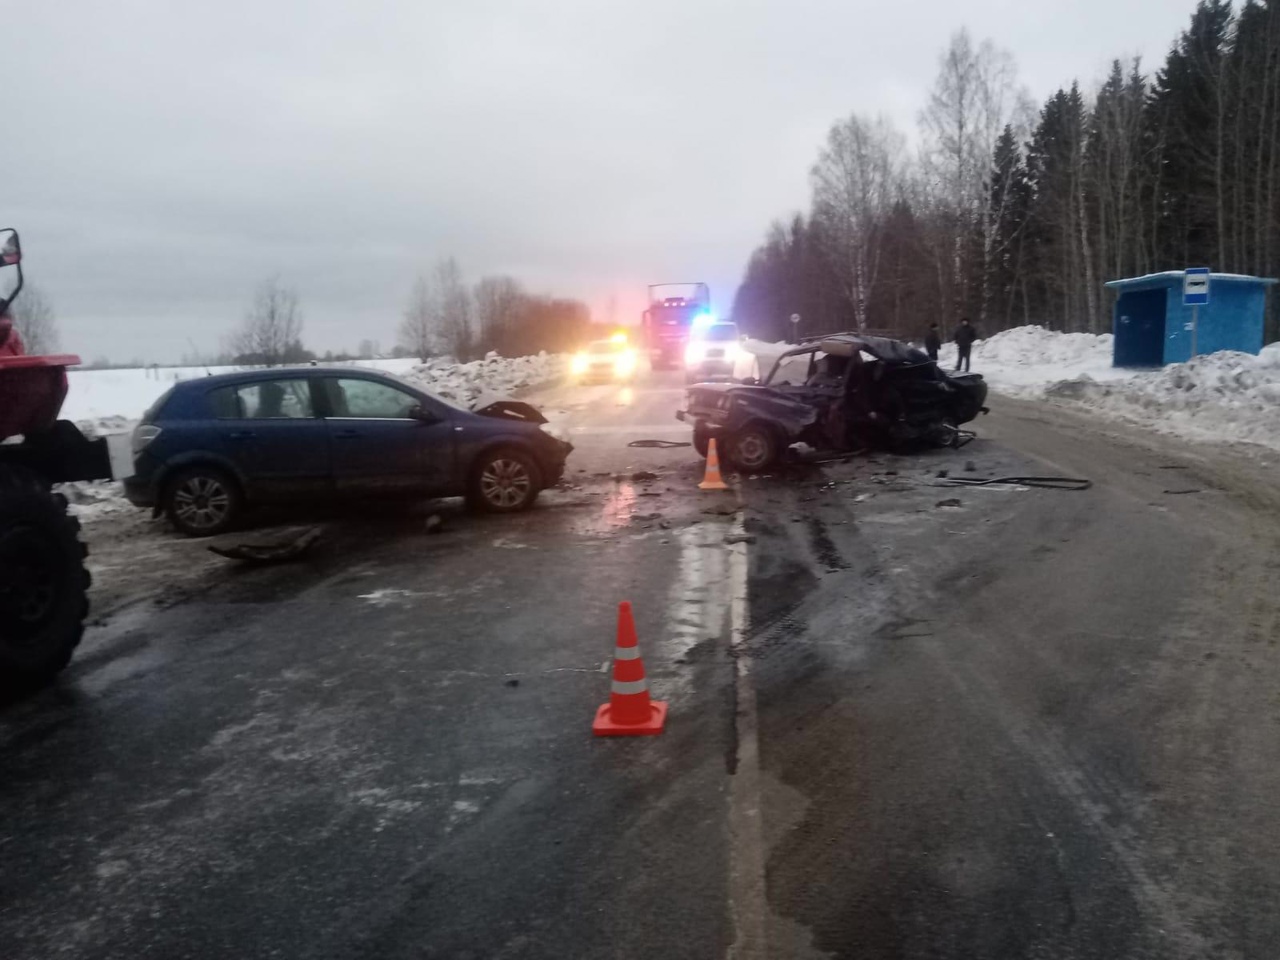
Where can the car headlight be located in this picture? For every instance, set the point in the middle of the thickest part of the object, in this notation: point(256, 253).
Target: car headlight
point(143, 434)
point(731, 352)
point(552, 430)
point(625, 364)
point(578, 364)
point(693, 353)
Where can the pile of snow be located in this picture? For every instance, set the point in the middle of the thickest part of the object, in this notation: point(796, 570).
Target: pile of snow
point(1220, 396)
point(463, 383)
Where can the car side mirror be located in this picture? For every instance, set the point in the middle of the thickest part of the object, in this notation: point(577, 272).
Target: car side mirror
point(421, 415)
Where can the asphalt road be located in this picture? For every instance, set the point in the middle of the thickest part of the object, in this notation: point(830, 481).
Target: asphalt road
point(906, 720)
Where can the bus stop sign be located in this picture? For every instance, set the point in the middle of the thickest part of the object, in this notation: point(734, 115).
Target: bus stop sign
point(1195, 286)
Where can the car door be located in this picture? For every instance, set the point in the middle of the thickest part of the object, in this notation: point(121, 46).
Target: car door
point(269, 430)
point(383, 439)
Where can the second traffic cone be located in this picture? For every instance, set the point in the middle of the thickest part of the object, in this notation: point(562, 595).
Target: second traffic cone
point(712, 479)
point(629, 712)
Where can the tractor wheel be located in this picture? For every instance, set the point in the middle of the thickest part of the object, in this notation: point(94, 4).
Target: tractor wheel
point(43, 581)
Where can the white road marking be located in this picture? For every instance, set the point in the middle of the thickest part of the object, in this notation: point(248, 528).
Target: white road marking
point(748, 905)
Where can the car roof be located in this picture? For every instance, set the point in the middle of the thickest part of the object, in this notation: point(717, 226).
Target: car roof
point(279, 373)
point(844, 344)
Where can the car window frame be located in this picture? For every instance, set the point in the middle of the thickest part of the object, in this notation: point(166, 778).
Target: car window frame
point(320, 387)
point(211, 408)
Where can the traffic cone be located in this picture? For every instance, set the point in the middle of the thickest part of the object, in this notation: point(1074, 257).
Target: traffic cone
point(629, 712)
point(712, 480)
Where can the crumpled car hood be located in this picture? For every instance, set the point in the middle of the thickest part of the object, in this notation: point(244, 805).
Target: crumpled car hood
point(507, 408)
point(787, 410)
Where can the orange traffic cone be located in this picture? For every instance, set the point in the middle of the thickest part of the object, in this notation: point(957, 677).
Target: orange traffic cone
point(712, 479)
point(629, 712)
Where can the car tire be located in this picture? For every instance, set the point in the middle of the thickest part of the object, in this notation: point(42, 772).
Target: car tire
point(752, 449)
point(202, 501)
point(505, 480)
point(43, 582)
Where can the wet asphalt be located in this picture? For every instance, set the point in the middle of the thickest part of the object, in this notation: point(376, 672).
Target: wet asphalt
point(997, 723)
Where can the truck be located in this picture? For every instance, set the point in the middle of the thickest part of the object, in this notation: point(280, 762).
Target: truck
point(674, 309)
point(44, 580)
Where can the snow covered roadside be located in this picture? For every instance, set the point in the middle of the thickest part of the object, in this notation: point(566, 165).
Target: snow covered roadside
point(112, 401)
point(1222, 396)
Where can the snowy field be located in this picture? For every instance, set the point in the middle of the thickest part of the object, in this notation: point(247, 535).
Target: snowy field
point(1222, 396)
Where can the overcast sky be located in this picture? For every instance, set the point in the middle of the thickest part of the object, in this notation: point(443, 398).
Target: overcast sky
point(163, 157)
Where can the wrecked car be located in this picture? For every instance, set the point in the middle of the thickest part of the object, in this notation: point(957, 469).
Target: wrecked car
point(838, 394)
point(211, 448)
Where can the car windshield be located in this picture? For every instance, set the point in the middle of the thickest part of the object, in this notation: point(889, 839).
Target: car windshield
point(607, 346)
point(719, 332)
point(792, 370)
point(419, 388)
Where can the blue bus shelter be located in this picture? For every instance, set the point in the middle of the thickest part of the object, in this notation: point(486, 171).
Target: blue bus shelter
point(1152, 327)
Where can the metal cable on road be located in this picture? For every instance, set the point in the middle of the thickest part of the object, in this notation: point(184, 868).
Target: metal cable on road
point(1048, 483)
point(660, 444)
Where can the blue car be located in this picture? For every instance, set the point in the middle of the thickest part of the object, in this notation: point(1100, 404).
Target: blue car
point(210, 448)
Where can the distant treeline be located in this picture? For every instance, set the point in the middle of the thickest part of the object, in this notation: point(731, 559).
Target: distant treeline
point(1013, 215)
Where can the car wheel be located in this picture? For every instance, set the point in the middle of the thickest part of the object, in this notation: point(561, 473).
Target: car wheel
point(202, 501)
point(504, 481)
point(753, 448)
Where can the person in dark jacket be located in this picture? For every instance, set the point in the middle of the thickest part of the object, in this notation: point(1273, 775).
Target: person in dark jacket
point(965, 335)
point(932, 342)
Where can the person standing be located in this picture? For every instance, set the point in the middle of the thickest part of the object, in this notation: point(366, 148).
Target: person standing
point(932, 342)
point(965, 335)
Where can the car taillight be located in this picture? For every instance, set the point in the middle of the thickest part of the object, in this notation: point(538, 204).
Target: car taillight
point(143, 434)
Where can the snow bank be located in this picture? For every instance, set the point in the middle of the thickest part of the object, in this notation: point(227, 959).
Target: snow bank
point(1220, 396)
point(462, 383)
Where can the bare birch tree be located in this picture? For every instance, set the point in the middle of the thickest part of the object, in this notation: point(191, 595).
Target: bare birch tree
point(272, 328)
point(419, 326)
point(974, 97)
point(854, 183)
point(497, 306)
point(455, 309)
point(34, 318)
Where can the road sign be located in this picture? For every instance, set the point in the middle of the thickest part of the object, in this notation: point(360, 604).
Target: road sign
point(1195, 287)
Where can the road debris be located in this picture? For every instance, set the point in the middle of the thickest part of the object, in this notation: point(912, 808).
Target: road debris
point(949, 502)
point(740, 538)
point(276, 547)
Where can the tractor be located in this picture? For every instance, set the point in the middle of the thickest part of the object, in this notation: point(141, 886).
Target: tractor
point(44, 582)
